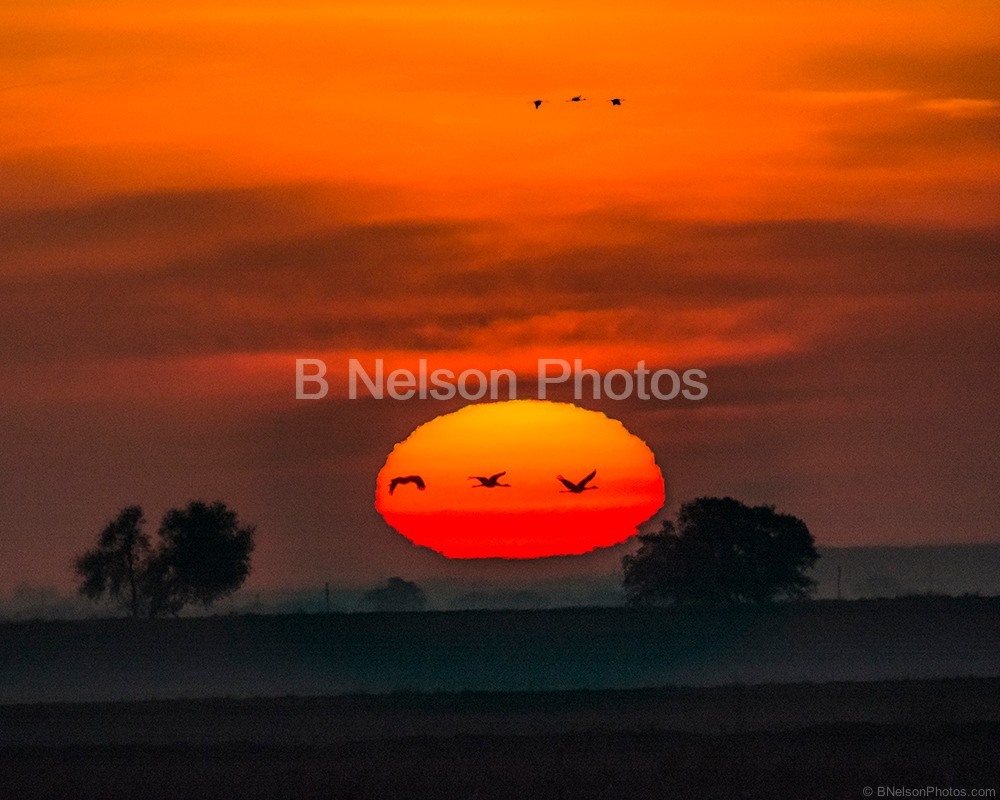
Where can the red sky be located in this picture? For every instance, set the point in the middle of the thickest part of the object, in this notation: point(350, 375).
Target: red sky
point(800, 198)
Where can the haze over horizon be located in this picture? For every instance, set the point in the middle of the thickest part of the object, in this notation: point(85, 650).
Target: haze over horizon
point(799, 199)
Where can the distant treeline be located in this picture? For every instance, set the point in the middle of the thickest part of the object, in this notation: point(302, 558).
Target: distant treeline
point(866, 573)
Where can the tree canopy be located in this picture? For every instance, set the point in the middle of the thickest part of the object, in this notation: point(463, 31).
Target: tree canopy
point(396, 594)
point(722, 551)
point(202, 554)
point(115, 567)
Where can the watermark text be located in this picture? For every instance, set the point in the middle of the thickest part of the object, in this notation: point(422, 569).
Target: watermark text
point(373, 380)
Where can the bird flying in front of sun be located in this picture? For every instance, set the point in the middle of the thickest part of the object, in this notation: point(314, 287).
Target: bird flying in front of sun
point(573, 480)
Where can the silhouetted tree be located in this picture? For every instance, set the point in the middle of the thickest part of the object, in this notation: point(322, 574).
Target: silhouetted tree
point(722, 551)
point(396, 595)
point(116, 567)
point(202, 555)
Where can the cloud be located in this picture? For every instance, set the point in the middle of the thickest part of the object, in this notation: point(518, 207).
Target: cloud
point(963, 107)
point(274, 269)
point(919, 134)
point(939, 72)
point(923, 114)
point(130, 232)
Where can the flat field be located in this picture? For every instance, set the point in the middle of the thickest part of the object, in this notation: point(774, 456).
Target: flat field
point(787, 741)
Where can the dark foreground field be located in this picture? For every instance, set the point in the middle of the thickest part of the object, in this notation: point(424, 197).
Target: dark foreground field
point(816, 700)
point(792, 741)
point(551, 650)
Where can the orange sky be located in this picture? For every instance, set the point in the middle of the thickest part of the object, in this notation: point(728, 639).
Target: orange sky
point(798, 197)
point(734, 110)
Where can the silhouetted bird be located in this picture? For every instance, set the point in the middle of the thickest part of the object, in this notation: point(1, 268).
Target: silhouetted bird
point(576, 99)
point(616, 101)
point(576, 488)
point(539, 102)
point(406, 479)
point(489, 483)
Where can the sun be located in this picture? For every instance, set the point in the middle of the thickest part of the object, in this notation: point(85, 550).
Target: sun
point(533, 443)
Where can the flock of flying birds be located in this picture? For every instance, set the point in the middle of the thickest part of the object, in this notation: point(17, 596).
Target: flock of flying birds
point(493, 482)
point(615, 101)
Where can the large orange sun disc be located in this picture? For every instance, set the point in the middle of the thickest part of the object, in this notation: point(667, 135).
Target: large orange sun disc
point(533, 442)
